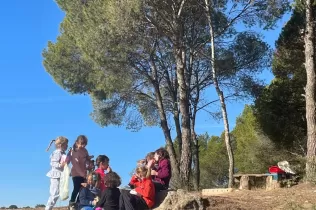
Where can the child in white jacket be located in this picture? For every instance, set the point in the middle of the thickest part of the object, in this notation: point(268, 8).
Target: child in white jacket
point(57, 162)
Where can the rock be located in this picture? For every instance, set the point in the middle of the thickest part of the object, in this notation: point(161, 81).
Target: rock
point(179, 200)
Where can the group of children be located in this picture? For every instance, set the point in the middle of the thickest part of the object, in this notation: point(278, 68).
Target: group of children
point(95, 189)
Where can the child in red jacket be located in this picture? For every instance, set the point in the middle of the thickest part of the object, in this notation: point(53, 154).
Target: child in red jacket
point(149, 161)
point(143, 196)
point(102, 163)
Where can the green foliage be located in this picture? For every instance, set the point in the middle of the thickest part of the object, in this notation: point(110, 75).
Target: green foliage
point(39, 206)
point(213, 161)
point(123, 54)
point(13, 207)
point(280, 108)
point(254, 151)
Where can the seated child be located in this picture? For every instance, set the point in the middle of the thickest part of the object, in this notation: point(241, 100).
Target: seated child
point(89, 192)
point(143, 196)
point(162, 173)
point(102, 163)
point(148, 162)
point(109, 199)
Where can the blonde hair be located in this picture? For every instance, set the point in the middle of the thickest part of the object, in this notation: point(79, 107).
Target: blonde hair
point(143, 171)
point(60, 140)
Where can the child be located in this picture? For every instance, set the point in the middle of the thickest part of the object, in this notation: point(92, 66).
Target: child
point(79, 159)
point(110, 197)
point(102, 163)
point(143, 196)
point(162, 174)
point(57, 165)
point(148, 162)
point(89, 193)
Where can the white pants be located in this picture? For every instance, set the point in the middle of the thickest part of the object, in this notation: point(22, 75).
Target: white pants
point(54, 193)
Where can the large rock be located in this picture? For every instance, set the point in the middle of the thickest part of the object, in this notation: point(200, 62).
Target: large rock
point(179, 200)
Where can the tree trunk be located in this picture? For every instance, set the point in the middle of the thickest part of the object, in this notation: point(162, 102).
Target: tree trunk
point(185, 160)
point(176, 119)
point(195, 148)
point(310, 93)
point(221, 98)
point(196, 161)
point(164, 121)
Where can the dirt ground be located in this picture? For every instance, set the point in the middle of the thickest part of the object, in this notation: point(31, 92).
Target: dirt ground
point(301, 196)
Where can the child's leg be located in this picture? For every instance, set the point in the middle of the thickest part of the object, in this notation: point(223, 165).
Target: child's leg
point(77, 180)
point(159, 186)
point(126, 201)
point(140, 203)
point(54, 194)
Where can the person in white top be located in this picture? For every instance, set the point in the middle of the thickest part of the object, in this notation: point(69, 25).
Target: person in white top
point(57, 162)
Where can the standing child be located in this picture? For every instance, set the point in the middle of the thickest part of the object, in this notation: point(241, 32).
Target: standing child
point(102, 163)
point(79, 159)
point(110, 197)
point(89, 193)
point(57, 165)
point(143, 196)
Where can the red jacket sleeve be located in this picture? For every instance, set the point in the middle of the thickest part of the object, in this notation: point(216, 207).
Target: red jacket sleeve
point(147, 190)
point(134, 181)
point(164, 169)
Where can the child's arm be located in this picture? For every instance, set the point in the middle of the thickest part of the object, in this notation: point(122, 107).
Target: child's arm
point(102, 200)
point(68, 158)
point(164, 170)
point(134, 180)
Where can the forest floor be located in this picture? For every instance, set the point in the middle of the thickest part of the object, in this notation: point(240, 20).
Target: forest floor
point(301, 196)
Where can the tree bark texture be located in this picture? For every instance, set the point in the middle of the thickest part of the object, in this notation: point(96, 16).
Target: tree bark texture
point(310, 93)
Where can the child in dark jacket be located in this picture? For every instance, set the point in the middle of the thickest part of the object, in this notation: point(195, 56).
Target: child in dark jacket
point(162, 174)
point(89, 192)
point(110, 197)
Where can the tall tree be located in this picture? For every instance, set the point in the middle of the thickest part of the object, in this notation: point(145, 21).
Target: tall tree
point(309, 40)
point(220, 95)
point(280, 108)
point(296, 54)
point(145, 60)
point(249, 13)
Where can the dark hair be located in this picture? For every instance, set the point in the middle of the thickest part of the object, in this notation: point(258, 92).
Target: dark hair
point(101, 159)
point(112, 180)
point(163, 153)
point(81, 138)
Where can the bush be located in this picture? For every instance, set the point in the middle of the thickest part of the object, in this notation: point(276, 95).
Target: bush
point(39, 206)
point(13, 207)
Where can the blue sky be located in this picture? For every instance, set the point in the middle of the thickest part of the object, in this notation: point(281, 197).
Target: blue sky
point(34, 110)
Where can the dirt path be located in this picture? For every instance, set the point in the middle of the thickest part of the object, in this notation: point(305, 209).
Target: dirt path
point(301, 196)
